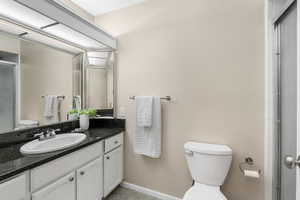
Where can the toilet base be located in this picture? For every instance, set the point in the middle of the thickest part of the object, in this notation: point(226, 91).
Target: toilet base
point(204, 192)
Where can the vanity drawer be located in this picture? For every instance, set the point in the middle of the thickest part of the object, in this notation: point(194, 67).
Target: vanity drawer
point(113, 142)
point(49, 172)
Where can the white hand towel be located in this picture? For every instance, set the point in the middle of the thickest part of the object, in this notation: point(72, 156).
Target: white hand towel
point(148, 139)
point(49, 105)
point(54, 117)
point(144, 111)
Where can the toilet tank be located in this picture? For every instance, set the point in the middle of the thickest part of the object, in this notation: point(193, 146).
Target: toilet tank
point(208, 163)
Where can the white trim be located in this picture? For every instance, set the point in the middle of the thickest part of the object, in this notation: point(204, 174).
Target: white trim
point(269, 103)
point(298, 101)
point(18, 89)
point(149, 192)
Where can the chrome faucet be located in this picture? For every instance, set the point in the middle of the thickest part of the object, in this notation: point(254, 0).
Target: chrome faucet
point(50, 133)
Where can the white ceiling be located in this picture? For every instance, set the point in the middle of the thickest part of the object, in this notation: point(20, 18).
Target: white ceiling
point(98, 7)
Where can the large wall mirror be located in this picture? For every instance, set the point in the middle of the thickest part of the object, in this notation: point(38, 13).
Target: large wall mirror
point(42, 79)
point(99, 82)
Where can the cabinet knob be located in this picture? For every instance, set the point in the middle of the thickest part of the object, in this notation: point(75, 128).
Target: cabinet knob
point(82, 173)
point(116, 142)
point(71, 179)
point(107, 157)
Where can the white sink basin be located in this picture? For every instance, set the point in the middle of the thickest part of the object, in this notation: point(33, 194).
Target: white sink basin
point(59, 142)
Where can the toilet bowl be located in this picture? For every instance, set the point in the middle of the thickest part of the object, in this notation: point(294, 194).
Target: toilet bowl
point(209, 165)
point(205, 192)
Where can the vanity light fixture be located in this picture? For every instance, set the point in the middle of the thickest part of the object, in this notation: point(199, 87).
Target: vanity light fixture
point(70, 26)
point(21, 32)
point(52, 19)
point(39, 38)
point(15, 11)
point(97, 62)
point(67, 33)
point(99, 59)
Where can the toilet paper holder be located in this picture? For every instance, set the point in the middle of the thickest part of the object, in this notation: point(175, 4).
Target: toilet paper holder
point(249, 169)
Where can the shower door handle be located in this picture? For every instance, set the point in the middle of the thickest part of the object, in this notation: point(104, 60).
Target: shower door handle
point(291, 163)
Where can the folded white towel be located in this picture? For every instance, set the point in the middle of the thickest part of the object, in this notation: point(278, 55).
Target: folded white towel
point(49, 105)
point(148, 139)
point(144, 111)
point(77, 102)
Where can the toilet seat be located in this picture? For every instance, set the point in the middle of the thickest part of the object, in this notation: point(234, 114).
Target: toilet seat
point(204, 192)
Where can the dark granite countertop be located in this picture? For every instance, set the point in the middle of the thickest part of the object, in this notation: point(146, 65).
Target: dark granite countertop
point(12, 162)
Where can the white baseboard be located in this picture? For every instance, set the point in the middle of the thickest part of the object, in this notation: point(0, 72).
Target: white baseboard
point(149, 192)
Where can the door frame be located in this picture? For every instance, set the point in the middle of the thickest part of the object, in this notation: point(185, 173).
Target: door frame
point(270, 175)
point(298, 100)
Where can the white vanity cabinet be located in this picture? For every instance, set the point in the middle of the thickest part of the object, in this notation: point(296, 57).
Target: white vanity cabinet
point(81, 172)
point(86, 183)
point(113, 170)
point(63, 189)
point(90, 173)
point(15, 189)
point(45, 174)
point(90, 181)
point(113, 163)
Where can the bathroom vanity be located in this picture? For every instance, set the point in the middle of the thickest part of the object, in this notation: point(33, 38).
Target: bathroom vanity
point(87, 171)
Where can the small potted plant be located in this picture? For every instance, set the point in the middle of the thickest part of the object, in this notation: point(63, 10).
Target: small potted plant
point(73, 114)
point(85, 118)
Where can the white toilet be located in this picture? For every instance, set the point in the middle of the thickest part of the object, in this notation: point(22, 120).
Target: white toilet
point(208, 165)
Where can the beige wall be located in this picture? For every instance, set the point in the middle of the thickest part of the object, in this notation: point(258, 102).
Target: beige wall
point(209, 56)
point(9, 44)
point(44, 71)
point(100, 87)
point(96, 88)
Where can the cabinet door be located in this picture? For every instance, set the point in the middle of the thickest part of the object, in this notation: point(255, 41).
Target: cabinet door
point(90, 181)
point(63, 189)
point(113, 169)
point(45, 174)
point(14, 189)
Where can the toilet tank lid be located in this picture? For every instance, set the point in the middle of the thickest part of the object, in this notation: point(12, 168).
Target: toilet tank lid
point(211, 149)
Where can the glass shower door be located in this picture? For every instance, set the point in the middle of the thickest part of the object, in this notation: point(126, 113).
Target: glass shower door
point(7, 97)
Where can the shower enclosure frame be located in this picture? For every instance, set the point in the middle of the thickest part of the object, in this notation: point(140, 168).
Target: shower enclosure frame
point(16, 90)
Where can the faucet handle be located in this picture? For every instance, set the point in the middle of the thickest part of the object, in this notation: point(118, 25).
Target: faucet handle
point(40, 135)
point(52, 132)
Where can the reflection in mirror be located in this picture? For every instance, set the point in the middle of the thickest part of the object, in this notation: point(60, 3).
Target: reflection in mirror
point(46, 83)
point(8, 68)
point(38, 83)
point(48, 73)
point(99, 82)
point(78, 61)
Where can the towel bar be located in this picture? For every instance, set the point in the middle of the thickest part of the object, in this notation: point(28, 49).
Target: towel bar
point(62, 97)
point(167, 98)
